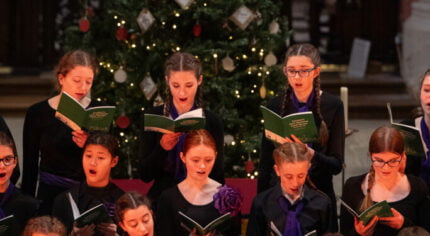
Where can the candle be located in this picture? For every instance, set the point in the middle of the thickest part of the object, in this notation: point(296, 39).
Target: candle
point(344, 98)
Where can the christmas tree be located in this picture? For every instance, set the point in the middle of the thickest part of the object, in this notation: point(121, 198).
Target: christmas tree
point(239, 42)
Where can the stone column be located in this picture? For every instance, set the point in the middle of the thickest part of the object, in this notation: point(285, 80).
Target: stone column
point(416, 45)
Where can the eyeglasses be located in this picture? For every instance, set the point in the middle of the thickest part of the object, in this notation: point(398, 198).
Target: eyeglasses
point(8, 160)
point(390, 163)
point(302, 73)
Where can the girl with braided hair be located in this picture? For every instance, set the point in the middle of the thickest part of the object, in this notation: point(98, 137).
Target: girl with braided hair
point(159, 153)
point(303, 93)
point(291, 207)
point(407, 195)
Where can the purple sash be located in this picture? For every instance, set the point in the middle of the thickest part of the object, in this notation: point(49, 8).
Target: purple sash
point(292, 224)
point(56, 180)
point(173, 156)
point(425, 165)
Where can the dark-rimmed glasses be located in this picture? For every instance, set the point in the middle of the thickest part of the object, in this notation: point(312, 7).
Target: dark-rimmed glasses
point(7, 160)
point(302, 73)
point(390, 163)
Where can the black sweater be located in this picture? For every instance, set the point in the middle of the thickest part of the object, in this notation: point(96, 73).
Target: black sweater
point(171, 201)
point(415, 207)
point(85, 197)
point(49, 139)
point(327, 161)
point(153, 157)
point(21, 206)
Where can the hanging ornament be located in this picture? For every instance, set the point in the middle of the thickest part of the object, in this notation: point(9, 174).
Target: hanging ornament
point(263, 91)
point(120, 76)
point(197, 30)
point(84, 24)
point(148, 87)
point(158, 101)
point(145, 19)
point(121, 33)
point(228, 139)
point(270, 59)
point(184, 3)
point(122, 121)
point(274, 27)
point(249, 165)
point(242, 17)
point(259, 17)
point(228, 64)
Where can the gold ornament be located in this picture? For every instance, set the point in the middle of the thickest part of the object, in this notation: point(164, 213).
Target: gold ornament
point(263, 91)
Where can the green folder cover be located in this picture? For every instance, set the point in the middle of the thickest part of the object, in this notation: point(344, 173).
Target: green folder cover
point(8, 226)
point(73, 114)
point(380, 209)
point(218, 224)
point(301, 124)
point(187, 121)
point(411, 139)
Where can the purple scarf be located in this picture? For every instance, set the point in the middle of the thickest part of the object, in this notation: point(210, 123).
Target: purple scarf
point(173, 155)
point(292, 224)
point(425, 165)
point(299, 106)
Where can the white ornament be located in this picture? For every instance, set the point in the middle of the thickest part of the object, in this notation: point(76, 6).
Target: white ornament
point(145, 19)
point(120, 75)
point(228, 64)
point(270, 59)
point(148, 87)
point(274, 27)
point(259, 17)
point(184, 3)
point(228, 139)
point(158, 101)
point(242, 17)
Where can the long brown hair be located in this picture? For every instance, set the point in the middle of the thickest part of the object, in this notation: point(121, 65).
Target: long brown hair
point(383, 139)
point(307, 50)
point(182, 61)
point(292, 153)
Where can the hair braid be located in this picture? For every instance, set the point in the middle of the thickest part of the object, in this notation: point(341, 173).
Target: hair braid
point(323, 131)
point(285, 99)
point(167, 102)
point(367, 200)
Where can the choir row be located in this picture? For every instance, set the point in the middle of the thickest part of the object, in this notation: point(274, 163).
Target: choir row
point(188, 170)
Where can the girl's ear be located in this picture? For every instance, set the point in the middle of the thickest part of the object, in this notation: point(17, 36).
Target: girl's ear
point(121, 225)
point(200, 80)
point(60, 79)
point(275, 167)
point(181, 155)
point(114, 161)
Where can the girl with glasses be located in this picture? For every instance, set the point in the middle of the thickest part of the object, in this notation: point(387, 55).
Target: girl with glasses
point(12, 201)
point(407, 195)
point(303, 93)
